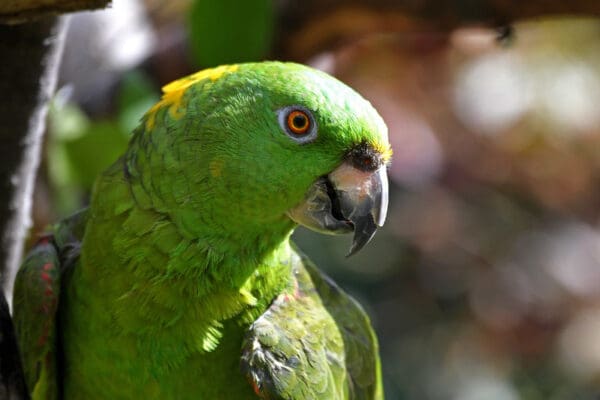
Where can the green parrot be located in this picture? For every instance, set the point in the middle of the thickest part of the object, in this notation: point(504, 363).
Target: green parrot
point(179, 281)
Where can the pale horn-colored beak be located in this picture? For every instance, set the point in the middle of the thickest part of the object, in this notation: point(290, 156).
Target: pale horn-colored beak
point(348, 199)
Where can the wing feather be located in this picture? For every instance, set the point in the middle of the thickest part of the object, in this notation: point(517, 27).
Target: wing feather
point(36, 301)
point(313, 342)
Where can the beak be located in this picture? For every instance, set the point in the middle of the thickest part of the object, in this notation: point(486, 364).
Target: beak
point(348, 199)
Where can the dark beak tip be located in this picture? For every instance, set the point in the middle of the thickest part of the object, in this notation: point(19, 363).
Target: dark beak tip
point(353, 250)
point(364, 230)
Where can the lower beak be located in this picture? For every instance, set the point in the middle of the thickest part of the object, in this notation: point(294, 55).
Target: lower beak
point(346, 200)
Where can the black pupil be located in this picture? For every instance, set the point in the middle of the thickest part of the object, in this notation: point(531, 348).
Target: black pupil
point(299, 121)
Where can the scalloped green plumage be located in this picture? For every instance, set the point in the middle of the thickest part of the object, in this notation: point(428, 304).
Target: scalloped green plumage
point(186, 253)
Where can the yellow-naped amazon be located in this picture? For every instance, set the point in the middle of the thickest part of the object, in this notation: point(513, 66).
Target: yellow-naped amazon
point(179, 281)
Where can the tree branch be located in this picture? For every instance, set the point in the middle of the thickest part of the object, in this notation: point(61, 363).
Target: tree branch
point(17, 11)
point(308, 27)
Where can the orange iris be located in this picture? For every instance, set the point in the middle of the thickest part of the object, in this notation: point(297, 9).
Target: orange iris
point(298, 122)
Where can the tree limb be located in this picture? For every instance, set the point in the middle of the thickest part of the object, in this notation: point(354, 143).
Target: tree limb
point(18, 11)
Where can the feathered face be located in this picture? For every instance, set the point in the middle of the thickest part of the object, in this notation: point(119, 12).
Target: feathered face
point(269, 141)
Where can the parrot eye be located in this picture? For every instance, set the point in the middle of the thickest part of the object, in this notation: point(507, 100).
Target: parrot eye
point(298, 123)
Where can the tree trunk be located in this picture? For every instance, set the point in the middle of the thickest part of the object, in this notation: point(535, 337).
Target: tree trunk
point(30, 55)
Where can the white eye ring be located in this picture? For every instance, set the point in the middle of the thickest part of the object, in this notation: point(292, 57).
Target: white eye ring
point(298, 123)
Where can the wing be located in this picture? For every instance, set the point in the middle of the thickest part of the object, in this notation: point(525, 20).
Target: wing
point(361, 349)
point(35, 303)
point(313, 342)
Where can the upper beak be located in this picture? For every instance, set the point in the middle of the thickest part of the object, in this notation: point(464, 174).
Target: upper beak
point(348, 199)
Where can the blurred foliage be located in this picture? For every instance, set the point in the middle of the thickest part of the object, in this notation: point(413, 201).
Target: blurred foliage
point(79, 148)
point(228, 31)
point(485, 282)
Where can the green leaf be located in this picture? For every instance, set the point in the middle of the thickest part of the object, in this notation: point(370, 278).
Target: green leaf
point(230, 31)
point(67, 122)
point(136, 96)
point(89, 155)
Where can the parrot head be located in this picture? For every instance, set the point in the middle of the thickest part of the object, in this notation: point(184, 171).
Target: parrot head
point(262, 144)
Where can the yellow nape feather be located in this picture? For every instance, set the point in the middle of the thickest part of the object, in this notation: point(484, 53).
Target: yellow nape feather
point(174, 91)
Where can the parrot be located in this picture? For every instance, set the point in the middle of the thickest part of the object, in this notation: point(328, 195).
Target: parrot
point(180, 280)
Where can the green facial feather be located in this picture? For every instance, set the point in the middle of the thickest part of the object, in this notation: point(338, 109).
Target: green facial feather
point(179, 281)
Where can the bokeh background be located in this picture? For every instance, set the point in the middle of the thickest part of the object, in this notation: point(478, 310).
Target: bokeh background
point(484, 283)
